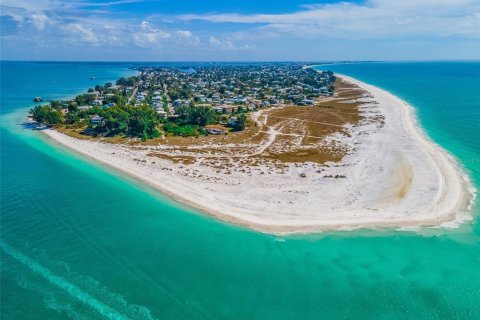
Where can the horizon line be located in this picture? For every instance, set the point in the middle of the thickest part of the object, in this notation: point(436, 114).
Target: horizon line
point(245, 61)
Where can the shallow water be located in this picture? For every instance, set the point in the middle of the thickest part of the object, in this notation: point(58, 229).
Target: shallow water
point(79, 241)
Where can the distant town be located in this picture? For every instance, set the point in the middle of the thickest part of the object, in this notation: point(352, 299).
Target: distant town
point(211, 99)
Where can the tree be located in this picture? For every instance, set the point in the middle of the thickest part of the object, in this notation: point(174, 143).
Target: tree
point(72, 107)
point(174, 95)
point(46, 115)
point(131, 81)
point(55, 104)
point(165, 104)
point(84, 99)
point(203, 115)
point(72, 118)
point(241, 123)
point(260, 94)
point(184, 131)
point(115, 121)
point(196, 115)
point(115, 99)
point(143, 122)
point(121, 82)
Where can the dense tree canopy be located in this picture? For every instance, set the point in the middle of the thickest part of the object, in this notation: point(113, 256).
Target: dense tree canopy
point(241, 123)
point(140, 122)
point(47, 115)
point(84, 99)
point(127, 82)
point(196, 115)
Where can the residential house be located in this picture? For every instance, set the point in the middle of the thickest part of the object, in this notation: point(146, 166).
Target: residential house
point(97, 120)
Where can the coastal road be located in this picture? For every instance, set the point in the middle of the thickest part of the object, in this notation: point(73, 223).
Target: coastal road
point(133, 94)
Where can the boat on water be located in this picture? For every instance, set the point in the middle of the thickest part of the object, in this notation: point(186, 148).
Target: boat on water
point(92, 78)
point(37, 99)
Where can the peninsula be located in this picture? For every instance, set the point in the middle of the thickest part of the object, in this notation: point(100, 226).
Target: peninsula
point(280, 148)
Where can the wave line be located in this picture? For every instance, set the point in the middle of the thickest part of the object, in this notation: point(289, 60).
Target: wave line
point(63, 284)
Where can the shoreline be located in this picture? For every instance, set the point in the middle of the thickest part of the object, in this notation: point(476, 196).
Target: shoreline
point(452, 200)
point(410, 118)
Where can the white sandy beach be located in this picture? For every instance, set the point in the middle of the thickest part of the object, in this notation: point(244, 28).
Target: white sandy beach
point(397, 177)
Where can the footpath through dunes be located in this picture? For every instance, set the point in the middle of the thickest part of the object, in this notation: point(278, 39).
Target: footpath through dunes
point(275, 136)
point(354, 160)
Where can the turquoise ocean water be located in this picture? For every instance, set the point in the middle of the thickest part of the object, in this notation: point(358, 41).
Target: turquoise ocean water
point(80, 241)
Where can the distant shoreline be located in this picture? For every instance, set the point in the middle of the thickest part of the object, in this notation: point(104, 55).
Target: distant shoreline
point(449, 202)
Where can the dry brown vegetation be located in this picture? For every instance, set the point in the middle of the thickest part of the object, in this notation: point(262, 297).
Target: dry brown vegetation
point(275, 136)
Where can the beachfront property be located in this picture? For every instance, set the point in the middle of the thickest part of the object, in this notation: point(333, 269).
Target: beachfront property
point(171, 101)
point(96, 120)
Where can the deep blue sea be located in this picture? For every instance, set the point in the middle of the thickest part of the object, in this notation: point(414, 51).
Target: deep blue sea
point(80, 241)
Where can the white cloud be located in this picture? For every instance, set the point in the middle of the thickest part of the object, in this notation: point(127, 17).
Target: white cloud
point(227, 44)
point(39, 21)
point(222, 44)
point(77, 31)
point(105, 4)
point(372, 19)
point(43, 5)
point(148, 35)
point(145, 25)
point(150, 38)
point(186, 38)
point(65, 24)
point(214, 41)
point(184, 33)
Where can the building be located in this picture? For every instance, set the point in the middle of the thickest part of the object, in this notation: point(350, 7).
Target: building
point(229, 108)
point(233, 121)
point(216, 130)
point(94, 93)
point(97, 120)
point(161, 112)
point(178, 102)
point(218, 109)
point(307, 102)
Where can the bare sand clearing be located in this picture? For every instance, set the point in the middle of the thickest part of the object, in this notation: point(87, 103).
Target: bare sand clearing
point(307, 174)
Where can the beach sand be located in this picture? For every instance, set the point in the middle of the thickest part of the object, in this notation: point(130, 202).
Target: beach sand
point(396, 177)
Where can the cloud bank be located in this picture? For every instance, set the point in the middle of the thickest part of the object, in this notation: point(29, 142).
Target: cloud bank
point(328, 30)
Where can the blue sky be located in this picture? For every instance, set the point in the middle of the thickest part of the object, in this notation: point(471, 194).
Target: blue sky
point(167, 30)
